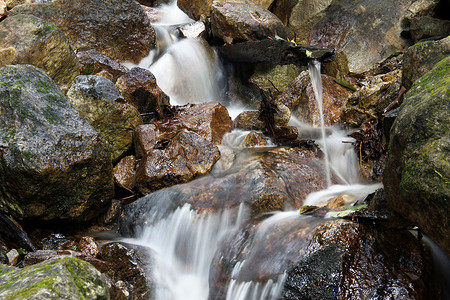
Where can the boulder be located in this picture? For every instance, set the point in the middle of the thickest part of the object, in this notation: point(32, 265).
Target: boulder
point(118, 28)
point(93, 62)
point(7, 56)
point(3, 9)
point(187, 156)
point(274, 78)
point(57, 278)
point(100, 103)
point(140, 89)
point(242, 20)
point(417, 171)
point(346, 260)
point(367, 31)
point(196, 9)
point(40, 43)
point(130, 268)
point(248, 120)
point(144, 139)
point(253, 139)
point(300, 99)
point(62, 161)
point(124, 172)
point(210, 120)
point(428, 27)
point(420, 58)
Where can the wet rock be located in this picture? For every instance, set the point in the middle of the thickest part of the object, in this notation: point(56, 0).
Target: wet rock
point(346, 260)
point(248, 120)
point(139, 88)
point(63, 162)
point(12, 234)
point(421, 58)
point(84, 244)
point(124, 172)
point(58, 278)
point(144, 139)
point(300, 99)
point(253, 139)
point(118, 29)
point(243, 20)
point(418, 166)
point(40, 43)
point(210, 120)
point(265, 179)
point(130, 269)
point(264, 3)
point(39, 256)
point(187, 156)
point(276, 78)
point(7, 56)
point(100, 103)
point(366, 31)
point(193, 30)
point(427, 27)
point(338, 68)
point(93, 62)
point(196, 9)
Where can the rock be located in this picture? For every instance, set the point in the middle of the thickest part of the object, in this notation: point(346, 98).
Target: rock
point(40, 43)
point(140, 89)
point(277, 77)
point(283, 9)
point(131, 267)
point(243, 20)
point(427, 27)
point(100, 103)
point(299, 98)
point(13, 257)
point(303, 16)
point(193, 30)
point(63, 162)
point(58, 278)
point(417, 168)
point(196, 9)
point(253, 139)
point(265, 179)
point(366, 31)
point(12, 234)
point(338, 263)
point(124, 172)
point(118, 29)
point(40, 256)
point(7, 56)
point(12, 3)
point(248, 120)
point(93, 62)
point(264, 3)
point(338, 68)
point(144, 139)
point(210, 120)
point(3, 9)
point(84, 244)
point(187, 156)
point(421, 58)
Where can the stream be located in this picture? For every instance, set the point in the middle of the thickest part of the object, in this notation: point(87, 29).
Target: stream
point(184, 243)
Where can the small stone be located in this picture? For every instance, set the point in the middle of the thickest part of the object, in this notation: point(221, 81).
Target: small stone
point(13, 257)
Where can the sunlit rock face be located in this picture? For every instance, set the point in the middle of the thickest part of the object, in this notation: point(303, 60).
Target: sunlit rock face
point(118, 29)
point(418, 163)
point(40, 43)
point(62, 161)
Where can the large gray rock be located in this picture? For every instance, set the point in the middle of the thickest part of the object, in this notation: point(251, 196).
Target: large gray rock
point(417, 173)
point(243, 20)
point(40, 43)
point(117, 28)
point(55, 165)
point(420, 58)
point(57, 278)
point(367, 31)
point(100, 103)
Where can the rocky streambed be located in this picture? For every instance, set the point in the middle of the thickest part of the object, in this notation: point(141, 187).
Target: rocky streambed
point(92, 152)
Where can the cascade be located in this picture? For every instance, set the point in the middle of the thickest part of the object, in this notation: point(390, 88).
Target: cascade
point(184, 241)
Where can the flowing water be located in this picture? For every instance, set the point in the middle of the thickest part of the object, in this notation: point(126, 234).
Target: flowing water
point(183, 241)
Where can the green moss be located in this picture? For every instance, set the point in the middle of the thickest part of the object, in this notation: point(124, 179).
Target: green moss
point(45, 283)
point(51, 116)
point(437, 80)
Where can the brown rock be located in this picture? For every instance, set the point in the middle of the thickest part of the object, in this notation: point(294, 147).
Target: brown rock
point(119, 28)
point(124, 172)
point(243, 20)
point(7, 56)
point(196, 8)
point(3, 9)
point(139, 88)
point(144, 139)
point(84, 244)
point(253, 139)
point(93, 62)
point(248, 120)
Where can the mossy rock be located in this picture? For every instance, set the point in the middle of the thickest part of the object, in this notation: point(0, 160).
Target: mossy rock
point(417, 173)
point(57, 278)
